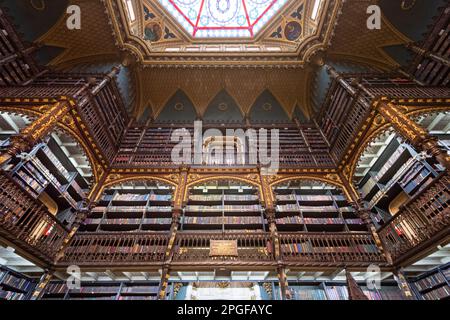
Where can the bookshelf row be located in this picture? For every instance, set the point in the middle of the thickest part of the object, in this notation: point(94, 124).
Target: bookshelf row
point(306, 206)
point(14, 286)
point(399, 172)
point(338, 291)
point(146, 290)
point(307, 247)
point(433, 285)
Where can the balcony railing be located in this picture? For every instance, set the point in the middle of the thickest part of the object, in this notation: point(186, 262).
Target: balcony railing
point(25, 221)
point(313, 249)
point(111, 249)
point(423, 218)
point(194, 249)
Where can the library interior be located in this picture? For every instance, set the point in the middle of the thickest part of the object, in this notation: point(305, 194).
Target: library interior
point(224, 149)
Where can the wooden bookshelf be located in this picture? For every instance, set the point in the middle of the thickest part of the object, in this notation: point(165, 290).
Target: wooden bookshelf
point(337, 290)
point(433, 285)
point(125, 210)
point(46, 169)
point(399, 170)
point(301, 208)
point(231, 207)
point(15, 286)
point(104, 290)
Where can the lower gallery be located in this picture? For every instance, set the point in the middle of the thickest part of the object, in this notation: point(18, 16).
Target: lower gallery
point(224, 150)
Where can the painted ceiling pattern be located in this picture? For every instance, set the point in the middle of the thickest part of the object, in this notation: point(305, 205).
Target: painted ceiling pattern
point(223, 18)
point(151, 89)
point(235, 27)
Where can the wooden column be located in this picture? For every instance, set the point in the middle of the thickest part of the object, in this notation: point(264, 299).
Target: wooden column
point(403, 285)
point(270, 211)
point(284, 286)
point(40, 128)
point(42, 285)
point(162, 290)
point(413, 133)
point(364, 214)
point(354, 291)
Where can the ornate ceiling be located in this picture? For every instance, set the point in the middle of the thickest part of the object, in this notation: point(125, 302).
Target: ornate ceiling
point(224, 32)
point(169, 60)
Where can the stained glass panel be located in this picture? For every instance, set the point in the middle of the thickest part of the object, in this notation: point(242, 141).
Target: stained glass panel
point(223, 18)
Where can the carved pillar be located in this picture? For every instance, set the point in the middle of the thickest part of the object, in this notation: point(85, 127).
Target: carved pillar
point(284, 286)
point(403, 285)
point(40, 128)
point(417, 136)
point(162, 290)
point(354, 291)
point(427, 54)
point(270, 215)
point(42, 285)
point(177, 212)
point(364, 214)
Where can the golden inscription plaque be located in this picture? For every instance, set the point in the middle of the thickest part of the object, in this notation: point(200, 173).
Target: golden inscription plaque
point(223, 248)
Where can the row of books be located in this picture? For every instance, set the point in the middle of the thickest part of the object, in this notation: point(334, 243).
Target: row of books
point(230, 208)
point(337, 292)
point(124, 221)
point(38, 188)
point(300, 220)
point(306, 247)
point(307, 294)
point(381, 193)
point(140, 290)
point(295, 197)
point(56, 162)
point(51, 178)
point(96, 289)
point(135, 249)
point(226, 197)
point(438, 294)
point(132, 209)
point(10, 295)
point(392, 160)
point(141, 197)
point(15, 282)
point(296, 208)
point(430, 281)
point(417, 181)
point(222, 220)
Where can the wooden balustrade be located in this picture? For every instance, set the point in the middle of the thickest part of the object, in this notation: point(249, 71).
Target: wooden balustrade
point(313, 249)
point(113, 248)
point(194, 249)
point(25, 221)
point(423, 218)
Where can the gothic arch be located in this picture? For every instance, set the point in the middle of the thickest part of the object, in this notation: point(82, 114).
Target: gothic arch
point(329, 180)
point(116, 179)
point(199, 180)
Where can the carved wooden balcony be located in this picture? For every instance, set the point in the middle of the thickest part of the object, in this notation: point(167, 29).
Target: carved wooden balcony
point(421, 222)
point(318, 249)
point(112, 249)
point(193, 250)
point(27, 223)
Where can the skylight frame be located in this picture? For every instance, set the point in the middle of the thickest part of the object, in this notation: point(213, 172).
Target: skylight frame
point(192, 25)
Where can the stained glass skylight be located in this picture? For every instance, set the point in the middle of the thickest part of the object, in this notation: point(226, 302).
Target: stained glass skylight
point(223, 18)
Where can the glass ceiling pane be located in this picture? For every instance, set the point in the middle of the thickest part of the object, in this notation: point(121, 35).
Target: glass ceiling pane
point(223, 18)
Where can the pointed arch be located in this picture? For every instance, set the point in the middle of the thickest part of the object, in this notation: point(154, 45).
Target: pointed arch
point(179, 108)
point(201, 180)
point(267, 108)
point(223, 108)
